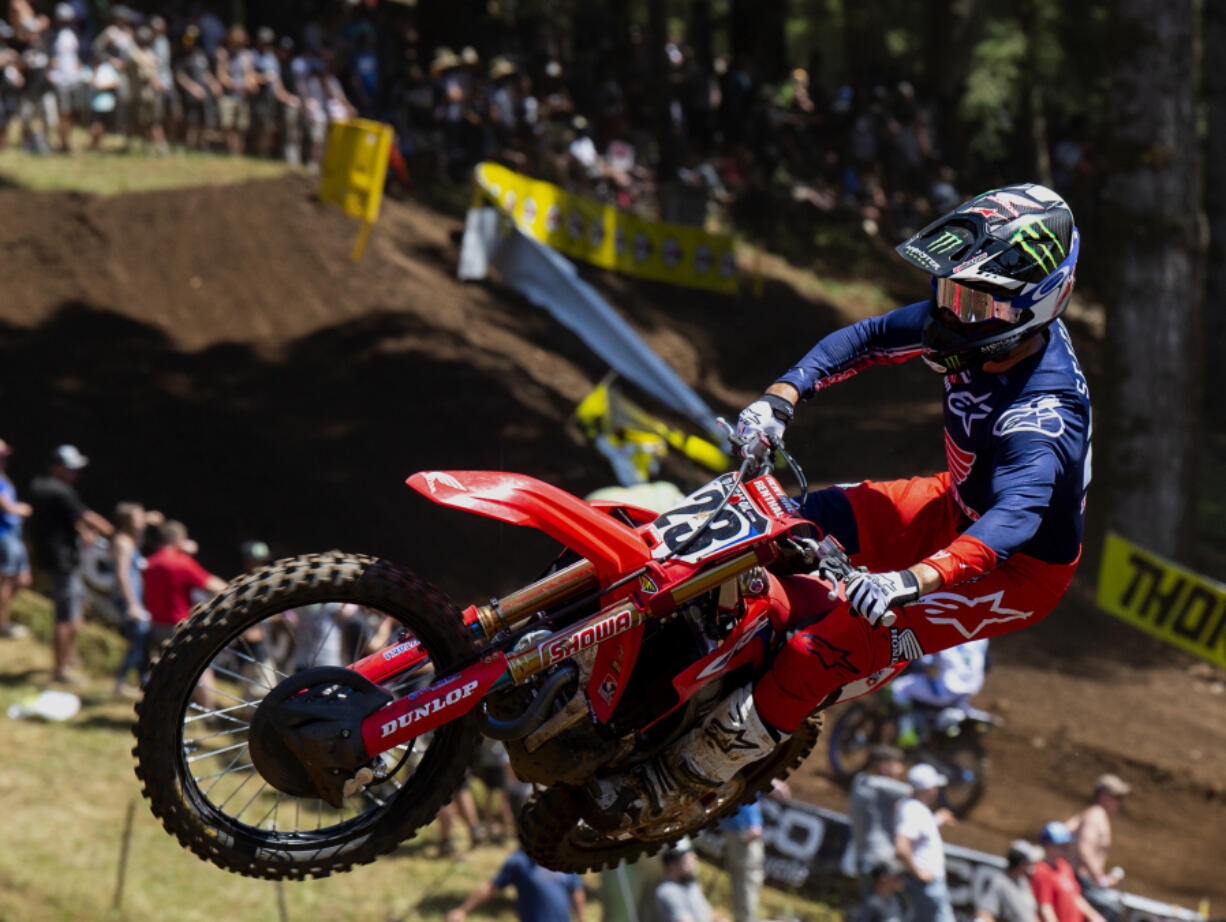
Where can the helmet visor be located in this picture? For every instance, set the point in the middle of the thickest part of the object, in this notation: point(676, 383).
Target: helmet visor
point(972, 306)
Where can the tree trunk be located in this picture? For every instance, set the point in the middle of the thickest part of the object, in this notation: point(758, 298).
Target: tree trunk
point(757, 34)
point(1152, 233)
point(1215, 206)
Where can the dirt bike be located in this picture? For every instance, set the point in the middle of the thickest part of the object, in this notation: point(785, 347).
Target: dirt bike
point(338, 745)
point(951, 740)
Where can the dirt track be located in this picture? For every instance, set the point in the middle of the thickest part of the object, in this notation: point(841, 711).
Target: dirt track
point(218, 355)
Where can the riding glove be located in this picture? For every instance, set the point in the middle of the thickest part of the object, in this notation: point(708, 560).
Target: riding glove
point(873, 595)
point(760, 425)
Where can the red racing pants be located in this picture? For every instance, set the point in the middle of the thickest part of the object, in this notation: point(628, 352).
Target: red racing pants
point(898, 524)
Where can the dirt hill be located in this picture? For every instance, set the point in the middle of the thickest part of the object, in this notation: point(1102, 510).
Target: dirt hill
point(219, 357)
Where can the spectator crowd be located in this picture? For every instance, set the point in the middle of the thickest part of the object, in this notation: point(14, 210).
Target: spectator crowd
point(896, 822)
point(662, 133)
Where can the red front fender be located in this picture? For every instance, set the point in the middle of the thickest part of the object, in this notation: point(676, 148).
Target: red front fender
point(612, 547)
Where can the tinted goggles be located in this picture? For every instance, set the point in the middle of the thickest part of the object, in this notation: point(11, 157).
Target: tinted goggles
point(971, 306)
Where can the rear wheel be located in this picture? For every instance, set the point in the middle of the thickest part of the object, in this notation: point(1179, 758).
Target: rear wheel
point(963, 761)
point(858, 729)
point(195, 721)
point(553, 831)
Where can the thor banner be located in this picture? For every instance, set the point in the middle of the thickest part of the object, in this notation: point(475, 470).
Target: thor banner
point(605, 236)
point(1163, 599)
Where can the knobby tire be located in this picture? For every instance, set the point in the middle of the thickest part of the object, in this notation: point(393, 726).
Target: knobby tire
point(268, 853)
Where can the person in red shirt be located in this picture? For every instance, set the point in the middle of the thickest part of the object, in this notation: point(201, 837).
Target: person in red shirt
point(1055, 885)
point(171, 576)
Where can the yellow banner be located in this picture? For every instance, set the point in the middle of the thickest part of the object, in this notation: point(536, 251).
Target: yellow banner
point(600, 234)
point(1164, 599)
point(355, 166)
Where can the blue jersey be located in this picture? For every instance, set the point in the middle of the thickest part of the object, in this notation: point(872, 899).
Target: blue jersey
point(1017, 443)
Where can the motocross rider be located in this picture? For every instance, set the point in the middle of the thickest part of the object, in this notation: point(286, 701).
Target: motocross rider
point(984, 548)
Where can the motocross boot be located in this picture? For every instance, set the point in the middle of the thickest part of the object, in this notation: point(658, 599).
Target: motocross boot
point(731, 737)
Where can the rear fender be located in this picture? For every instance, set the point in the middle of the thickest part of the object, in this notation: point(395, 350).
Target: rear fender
point(615, 549)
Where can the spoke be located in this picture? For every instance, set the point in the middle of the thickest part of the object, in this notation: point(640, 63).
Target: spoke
point(253, 702)
point(224, 771)
point(228, 731)
point(271, 811)
point(222, 805)
point(323, 608)
point(260, 790)
point(260, 664)
point(216, 752)
point(221, 774)
point(223, 713)
point(246, 680)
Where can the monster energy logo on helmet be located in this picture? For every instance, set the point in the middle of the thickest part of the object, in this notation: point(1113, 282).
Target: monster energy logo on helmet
point(945, 243)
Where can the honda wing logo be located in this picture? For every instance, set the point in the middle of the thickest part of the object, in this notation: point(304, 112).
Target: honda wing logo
point(958, 459)
point(968, 616)
point(434, 478)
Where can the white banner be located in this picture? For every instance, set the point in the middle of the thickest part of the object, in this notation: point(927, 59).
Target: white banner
point(549, 280)
point(808, 849)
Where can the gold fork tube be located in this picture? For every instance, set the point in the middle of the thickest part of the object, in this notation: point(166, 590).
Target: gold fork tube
point(510, 610)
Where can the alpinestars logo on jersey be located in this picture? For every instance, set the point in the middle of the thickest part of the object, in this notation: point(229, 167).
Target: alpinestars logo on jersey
point(966, 615)
point(1042, 415)
point(968, 407)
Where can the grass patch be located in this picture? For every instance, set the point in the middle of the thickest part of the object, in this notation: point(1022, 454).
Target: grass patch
point(113, 170)
point(101, 647)
point(66, 790)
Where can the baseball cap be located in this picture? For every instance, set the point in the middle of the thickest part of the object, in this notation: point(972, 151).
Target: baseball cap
point(1055, 834)
point(1113, 785)
point(677, 849)
point(923, 776)
point(1020, 850)
point(70, 456)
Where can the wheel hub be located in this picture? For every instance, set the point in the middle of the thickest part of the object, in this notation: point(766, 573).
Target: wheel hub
point(306, 737)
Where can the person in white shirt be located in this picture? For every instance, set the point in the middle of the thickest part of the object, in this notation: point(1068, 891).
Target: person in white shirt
point(65, 72)
point(949, 679)
point(917, 840)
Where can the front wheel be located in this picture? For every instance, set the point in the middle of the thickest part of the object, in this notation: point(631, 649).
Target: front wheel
point(195, 721)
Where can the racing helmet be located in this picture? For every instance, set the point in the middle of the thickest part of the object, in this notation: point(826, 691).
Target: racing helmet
point(1002, 267)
